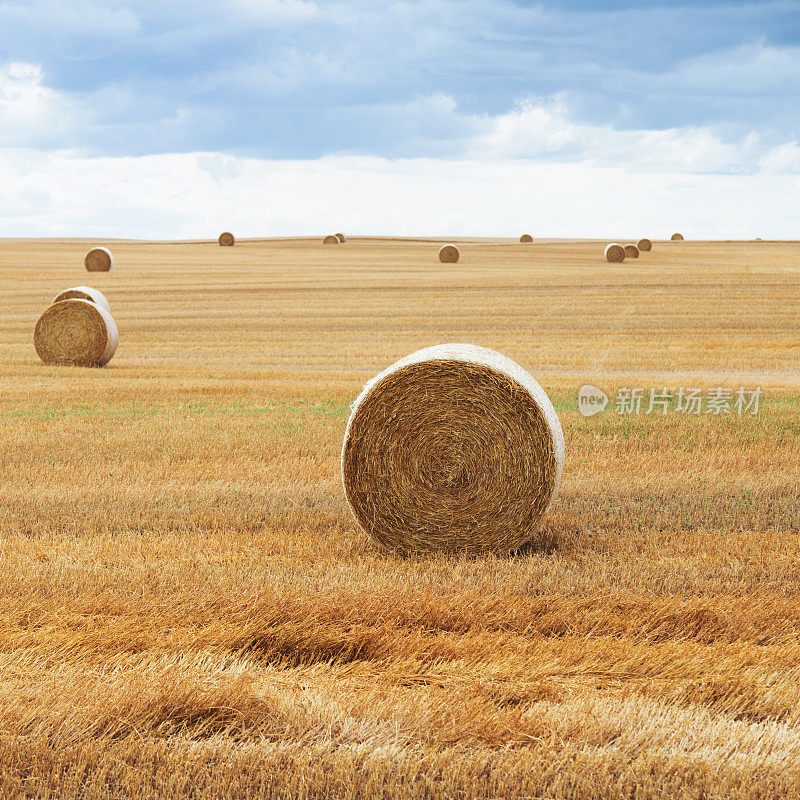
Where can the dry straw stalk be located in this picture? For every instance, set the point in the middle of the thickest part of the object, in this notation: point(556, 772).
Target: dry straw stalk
point(454, 448)
point(341, 237)
point(526, 238)
point(99, 259)
point(644, 245)
point(76, 332)
point(449, 254)
point(226, 239)
point(84, 293)
point(615, 253)
point(677, 237)
point(331, 238)
point(631, 251)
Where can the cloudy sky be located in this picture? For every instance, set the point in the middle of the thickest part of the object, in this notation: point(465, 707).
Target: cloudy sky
point(174, 118)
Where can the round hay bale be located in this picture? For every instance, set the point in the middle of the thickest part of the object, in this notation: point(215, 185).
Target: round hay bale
point(631, 251)
point(226, 239)
point(454, 448)
point(677, 237)
point(77, 333)
point(341, 237)
point(644, 245)
point(331, 239)
point(615, 253)
point(98, 260)
point(84, 293)
point(448, 254)
point(526, 238)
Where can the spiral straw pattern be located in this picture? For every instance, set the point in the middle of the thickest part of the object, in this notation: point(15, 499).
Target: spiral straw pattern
point(631, 251)
point(526, 238)
point(644, 245)
point(677, 237)
point(615, 253)
point(77, 333)
point(98, 260)
point(454, 448)
point(84, 293)
point(449, 254)
point(331, 238)
point(226, 239)
point(341, 237)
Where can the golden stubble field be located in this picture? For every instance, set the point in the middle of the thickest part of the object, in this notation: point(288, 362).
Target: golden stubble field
point(188, 610)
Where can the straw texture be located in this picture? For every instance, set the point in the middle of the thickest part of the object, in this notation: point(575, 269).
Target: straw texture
point(331, 239)
point(644, 245)
point(76, 332)
point(454, 448)
point(677, 237)
point(84, 293)
point(226, 239)
point(341, 237)
point(449, 254)
point(615, 253)
point(526, 238)
point(631, 251)
point(99, 259)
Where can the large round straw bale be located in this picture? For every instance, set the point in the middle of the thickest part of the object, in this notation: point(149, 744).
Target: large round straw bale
point(615, 253)
point(226, 239)
point(76, 332)
point(99, 260)
point(677, 237)
point(341, 237)
point(644, 245)
point(331, 239)
point(84, 293)
point(631, 251)
point(454, 448)
point(448, 254)
point(526, 238)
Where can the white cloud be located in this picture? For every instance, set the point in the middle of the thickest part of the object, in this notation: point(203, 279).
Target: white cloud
point(197, 195)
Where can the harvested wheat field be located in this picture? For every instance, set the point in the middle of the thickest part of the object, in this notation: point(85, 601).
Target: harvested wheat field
point(190, 609)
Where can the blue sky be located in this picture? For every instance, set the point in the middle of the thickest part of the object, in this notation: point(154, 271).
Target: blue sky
point(696, 88)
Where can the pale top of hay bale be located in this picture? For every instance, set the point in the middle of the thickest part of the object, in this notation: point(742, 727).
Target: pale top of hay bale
point(631, 251)
point(84, 293)
point(226, 239)
point(449, 254)
point(98, 259)
point(644, 245)
point(494, 363)
point(341, 237)
point(677, 237)
point(77, 333)
point(331, 238)
point(526, 238)
point(614, 252)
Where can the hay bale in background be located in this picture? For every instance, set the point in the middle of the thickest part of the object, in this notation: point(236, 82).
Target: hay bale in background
point(454, 448)
point(677, 237)
point(331, 239)
point(99, 259)
point(526, 238)
point(77, 333)
point(226, 239)
point(449, 254)
point(631, 251)
point(644, 245)
point(341, 237)
point(615, 253)
point(84, 293)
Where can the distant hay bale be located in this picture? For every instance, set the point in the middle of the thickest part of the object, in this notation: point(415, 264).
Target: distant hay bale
point(677, 237)
point(226, 239)
point(99, 259)
point(631, 251)
point(526, 238)
point(454, 448)
point(644, 245)
point(77, 333)
point(84, 293)
point(449, 254)
point(615, 253)
point(341, 237)
point(331, 239)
